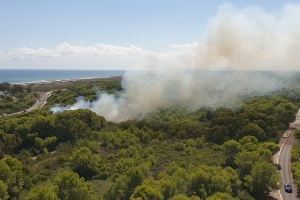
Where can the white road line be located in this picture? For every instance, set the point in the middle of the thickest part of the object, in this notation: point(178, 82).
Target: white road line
point(280, 196)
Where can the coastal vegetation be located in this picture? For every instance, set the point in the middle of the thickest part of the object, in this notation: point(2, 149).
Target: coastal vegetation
point(211, 153)
point(14, 98)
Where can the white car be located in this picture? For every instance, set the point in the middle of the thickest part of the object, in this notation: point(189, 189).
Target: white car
point(285, 135)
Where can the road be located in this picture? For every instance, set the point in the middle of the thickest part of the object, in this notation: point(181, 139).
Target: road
point(41, 101)
point(283, 160)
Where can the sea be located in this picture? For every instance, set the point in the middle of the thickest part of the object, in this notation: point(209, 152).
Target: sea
point(23, 76)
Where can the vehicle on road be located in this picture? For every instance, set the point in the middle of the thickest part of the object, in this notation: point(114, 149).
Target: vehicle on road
point(285, 135)
point(288, 188)
point(278, 167)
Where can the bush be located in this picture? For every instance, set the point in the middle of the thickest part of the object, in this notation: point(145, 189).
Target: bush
point(118, 139)
point(3, 191)
point(179, 146)
point(44, 144)
point(221, 196)
point(85, 163)
point(43, 192)
point(147, 191)
point(11, 172)
point(297, 134)
point(71, 187)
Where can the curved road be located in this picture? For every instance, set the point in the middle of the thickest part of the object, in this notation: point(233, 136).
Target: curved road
point(41, 101)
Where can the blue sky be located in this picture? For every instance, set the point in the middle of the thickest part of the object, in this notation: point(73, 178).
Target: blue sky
point(149, 24)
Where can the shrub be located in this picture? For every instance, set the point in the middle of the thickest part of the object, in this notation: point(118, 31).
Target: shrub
point(85, 163)
point(179, 146)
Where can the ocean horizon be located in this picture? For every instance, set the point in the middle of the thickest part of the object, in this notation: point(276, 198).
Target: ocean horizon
point(22, 76)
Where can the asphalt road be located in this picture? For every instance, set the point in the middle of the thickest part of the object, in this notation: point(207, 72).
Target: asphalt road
point(41, 101)
point(285, 164)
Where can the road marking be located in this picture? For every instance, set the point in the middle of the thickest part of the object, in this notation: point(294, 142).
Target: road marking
point(280, 196)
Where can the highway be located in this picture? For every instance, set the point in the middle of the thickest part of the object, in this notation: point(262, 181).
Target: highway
point(282, 158)
point(41, 101)
point(285, 164)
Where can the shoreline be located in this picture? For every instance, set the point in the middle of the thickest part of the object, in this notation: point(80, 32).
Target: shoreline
point(37, 76)
point(66, 83)
point(62, 80)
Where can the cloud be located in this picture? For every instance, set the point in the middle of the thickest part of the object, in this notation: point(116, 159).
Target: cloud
point(67, 55)
point(240, 39)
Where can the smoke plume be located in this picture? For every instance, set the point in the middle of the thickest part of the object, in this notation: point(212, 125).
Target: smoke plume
point(215, 71)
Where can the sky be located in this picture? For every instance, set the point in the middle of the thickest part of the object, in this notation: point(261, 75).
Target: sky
point(106, 34)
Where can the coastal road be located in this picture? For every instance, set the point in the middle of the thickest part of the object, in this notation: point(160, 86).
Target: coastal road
point(40, 102)
point(283, 159)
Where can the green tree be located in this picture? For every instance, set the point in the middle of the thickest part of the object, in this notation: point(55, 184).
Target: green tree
point(221, 196)
point(285, 113)
point(249, 143)
point(15, 183)
point(231, 148)
point(209, 180)
point(72, 187)
point(3, 191)
point(118, 139)
point(43, 192)
point(297, 134)
point(180, 197)
point(44, 144)
point(252, 129)
point(218, 134)
point(13, 163)
point(125, 185)
point(11, 172)
point(16, 89)
point(168, 186)
point(296, 173)
point(74, 124)
point(4, 86)
point(264, 178)
point(271, 146)
point(5, 171)
point(245, 160)
point(147, 191)
point(86, 163)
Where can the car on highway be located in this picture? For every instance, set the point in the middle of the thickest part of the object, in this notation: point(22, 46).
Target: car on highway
point(278, 166)
point(288, 188)
point(285, 135)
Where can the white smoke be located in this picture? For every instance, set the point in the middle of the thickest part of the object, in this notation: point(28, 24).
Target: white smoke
point(237, 39)
point(147, 92)
point(80, 104)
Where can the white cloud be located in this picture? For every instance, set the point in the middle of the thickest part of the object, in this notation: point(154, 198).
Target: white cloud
point(249, 38)
point(67, 55)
